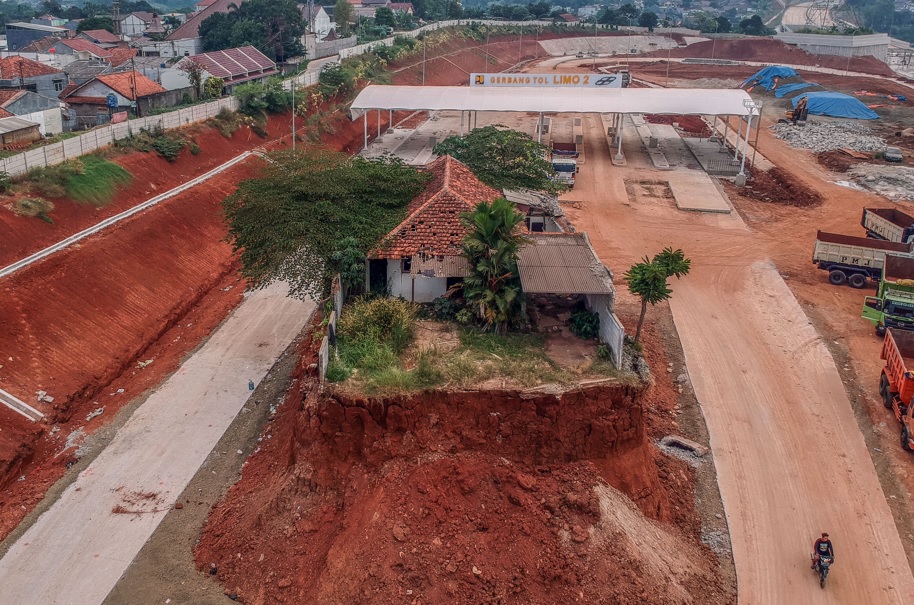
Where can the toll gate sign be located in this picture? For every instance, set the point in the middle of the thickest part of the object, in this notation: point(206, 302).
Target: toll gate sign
point(556, 80)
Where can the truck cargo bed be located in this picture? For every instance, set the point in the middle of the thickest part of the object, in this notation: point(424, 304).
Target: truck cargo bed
point(898, 267)
point(863, 242)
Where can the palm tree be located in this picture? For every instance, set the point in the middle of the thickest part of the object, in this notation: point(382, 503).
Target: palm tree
point(648, 279)
point(492, 289)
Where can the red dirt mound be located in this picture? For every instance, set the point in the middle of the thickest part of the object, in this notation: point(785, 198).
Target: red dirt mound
point(690, 125)
point(779, 187)
point(772, 51)
point(459, 497)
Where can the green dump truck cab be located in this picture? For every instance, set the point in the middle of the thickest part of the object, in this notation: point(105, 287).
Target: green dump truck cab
point(893, 305)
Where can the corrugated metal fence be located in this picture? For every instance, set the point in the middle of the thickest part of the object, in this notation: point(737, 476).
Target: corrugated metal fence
point(57, 153)
point(612, 334)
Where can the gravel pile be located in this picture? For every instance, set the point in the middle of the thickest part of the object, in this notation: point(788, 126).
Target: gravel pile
point(826, 136)
point(894, 182)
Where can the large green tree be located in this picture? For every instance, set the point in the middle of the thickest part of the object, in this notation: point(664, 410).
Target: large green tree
point(502, 158)
point(295, 220)
point(274, 27)
point(648, 279)
point(344, 15)
point(492, 289)
point(93, 23)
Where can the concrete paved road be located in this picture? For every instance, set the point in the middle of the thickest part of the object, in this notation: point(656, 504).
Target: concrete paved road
point(76, 551)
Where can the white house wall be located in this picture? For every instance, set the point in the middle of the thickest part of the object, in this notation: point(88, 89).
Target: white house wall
point(50, 121)
point(426, 289)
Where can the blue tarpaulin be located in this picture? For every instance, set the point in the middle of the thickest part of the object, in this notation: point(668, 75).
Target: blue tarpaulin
point(785, 89)
point(836, 105)
point(765, 78)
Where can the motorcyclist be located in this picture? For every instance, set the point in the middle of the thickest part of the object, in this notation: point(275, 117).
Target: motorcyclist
point(822, 548)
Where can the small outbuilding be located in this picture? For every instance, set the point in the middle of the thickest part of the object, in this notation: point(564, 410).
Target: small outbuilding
point(16, 133)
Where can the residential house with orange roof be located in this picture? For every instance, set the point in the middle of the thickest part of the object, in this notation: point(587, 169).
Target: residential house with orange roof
point(101, 37)
point(24, 74)
point(185, 40)
point(420, 259)
point(94, 101)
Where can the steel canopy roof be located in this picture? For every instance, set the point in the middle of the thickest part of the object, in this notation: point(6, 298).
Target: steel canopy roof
point(675, 101)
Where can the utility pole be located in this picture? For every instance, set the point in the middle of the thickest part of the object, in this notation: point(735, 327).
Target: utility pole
point(424, 38)
point(293, 114)
point(116, 10)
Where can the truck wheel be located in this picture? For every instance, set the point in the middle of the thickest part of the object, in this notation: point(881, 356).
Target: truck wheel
point(880, 330)
point(905, 439)
point(887, 399)
point(883, 383)
point(857, 280)
point(837, 277)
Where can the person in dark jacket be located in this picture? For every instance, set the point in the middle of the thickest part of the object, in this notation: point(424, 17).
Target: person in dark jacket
point(822, 548)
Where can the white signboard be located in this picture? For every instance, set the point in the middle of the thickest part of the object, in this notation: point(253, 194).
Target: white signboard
point(556, 80)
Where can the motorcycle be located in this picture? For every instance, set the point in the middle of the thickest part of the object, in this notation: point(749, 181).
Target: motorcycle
point(821, 568)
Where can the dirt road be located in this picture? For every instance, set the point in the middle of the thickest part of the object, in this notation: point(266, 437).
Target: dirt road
point(69, 555)
point(770, 391)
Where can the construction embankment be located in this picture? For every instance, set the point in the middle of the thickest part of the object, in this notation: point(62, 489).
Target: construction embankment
point(460, 497)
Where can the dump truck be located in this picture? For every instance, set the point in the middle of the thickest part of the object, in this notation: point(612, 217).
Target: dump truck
point(896, 384)
point(851, 260)
point(565, 169)
point(893, 305)
point(568, 150)
point(888, 224)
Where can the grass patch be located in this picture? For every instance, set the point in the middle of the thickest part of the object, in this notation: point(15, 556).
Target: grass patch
point(227, 122)
point(168, 146)
point(97, 181)
point(34, 207)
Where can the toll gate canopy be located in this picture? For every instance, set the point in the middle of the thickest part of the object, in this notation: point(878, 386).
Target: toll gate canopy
point(671, 101)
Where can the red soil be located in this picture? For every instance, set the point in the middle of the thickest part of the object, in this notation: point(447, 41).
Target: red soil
point(458, 498)
point(689, 125)
point(776, 186)
point(771, 51)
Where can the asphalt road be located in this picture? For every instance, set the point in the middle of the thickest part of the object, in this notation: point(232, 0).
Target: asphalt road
point(77, 550)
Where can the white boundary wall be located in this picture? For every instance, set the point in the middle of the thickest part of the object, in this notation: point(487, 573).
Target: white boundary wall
point(103, 136)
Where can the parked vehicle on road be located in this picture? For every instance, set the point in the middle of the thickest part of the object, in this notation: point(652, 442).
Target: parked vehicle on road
point(851, 260)
point(892, 154)
point(565, 169)
point(893, 305)
point(888, 224)
point(896, 383)
point(565, 150)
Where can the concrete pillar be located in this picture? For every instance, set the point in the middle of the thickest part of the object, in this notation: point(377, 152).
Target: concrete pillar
point(379, 123)
point(461, 122)
point(619, 155)
point(365, 129)
point(723, 141)
point(539, 138)
point(739, 130)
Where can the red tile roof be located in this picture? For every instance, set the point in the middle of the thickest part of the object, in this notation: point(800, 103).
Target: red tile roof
point(433, 226)
point(236, 64)
point(7, 96)
point(124, 83)
point(119, 56)
point(100, 36)
point(16, 66)
point(568, 17)
point(5, 114)
point(191, 27)
point(81, 44)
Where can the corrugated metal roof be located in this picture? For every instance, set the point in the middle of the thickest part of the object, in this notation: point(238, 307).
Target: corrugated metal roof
point(535, 199)
point(14, 124)
point(677, 101)
point(562, 263)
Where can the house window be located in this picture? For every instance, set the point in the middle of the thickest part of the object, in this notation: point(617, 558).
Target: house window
point(58, 85)
point(406, 264)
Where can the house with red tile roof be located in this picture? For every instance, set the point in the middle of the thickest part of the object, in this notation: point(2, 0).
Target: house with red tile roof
point(421, 258)
point(129, 91)
point(101, 37)
point(235, 65)
point(84, 49)
point(20, 73)
point(185, 40)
